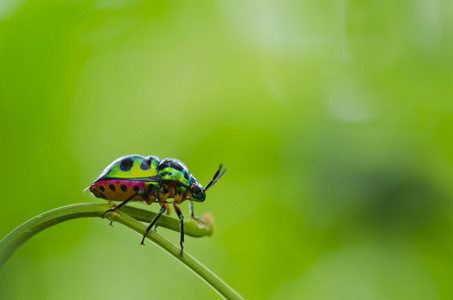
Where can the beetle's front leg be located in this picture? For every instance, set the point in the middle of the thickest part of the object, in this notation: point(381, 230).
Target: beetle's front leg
point(192, 212)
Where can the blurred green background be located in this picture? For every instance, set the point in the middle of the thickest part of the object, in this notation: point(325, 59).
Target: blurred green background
point(335, 119)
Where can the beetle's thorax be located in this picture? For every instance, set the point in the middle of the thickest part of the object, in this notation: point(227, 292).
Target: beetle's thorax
point(172, 189)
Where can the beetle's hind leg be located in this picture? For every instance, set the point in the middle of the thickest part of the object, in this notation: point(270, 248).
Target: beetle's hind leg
point(120, 205)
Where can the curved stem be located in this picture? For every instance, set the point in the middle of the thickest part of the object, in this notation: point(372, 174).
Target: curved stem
point(128, 216)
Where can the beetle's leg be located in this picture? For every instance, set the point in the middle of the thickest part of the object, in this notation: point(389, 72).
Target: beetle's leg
point(192, 212)
point(167, 208)
point(181, 218)
point(162, 195)
point(120, 205)
point(167, 211)
point(162, 209)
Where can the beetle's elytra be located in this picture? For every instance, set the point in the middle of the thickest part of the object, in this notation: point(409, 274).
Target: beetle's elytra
point(149, 179)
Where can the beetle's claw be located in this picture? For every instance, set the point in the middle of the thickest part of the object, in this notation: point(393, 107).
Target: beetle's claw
point(107, 211)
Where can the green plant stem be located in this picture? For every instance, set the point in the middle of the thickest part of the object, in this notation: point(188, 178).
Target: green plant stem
point(128, 216)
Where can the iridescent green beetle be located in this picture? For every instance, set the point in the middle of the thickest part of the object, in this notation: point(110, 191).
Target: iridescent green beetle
point(147, 179)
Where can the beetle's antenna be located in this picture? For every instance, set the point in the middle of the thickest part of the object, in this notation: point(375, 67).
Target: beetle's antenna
point(216, 178)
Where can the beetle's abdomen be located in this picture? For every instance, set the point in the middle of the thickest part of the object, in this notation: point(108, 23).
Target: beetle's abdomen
point(119, 190)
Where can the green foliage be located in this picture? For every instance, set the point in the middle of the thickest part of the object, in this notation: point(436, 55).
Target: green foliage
point(26, 231)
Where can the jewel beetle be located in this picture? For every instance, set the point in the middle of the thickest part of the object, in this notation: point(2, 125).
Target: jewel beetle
point(149, 179)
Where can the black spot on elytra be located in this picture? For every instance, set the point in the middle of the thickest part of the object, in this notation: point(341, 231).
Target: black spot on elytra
point(177, 166)
point(186, 175)
point(126, 164)
point(123, 188)
point(112, 187)
point(170, 163)
point(136, 188)
point(166, 173)
point(102, 188)
point(101, 195)
point(146, 164)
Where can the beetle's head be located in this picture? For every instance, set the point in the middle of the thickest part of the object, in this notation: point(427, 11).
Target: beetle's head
point(198, 193)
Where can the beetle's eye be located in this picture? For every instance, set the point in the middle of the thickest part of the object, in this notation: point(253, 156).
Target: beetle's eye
point(199, 190)
point(195, 189)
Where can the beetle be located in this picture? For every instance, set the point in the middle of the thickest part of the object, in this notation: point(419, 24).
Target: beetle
point(149, 179)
